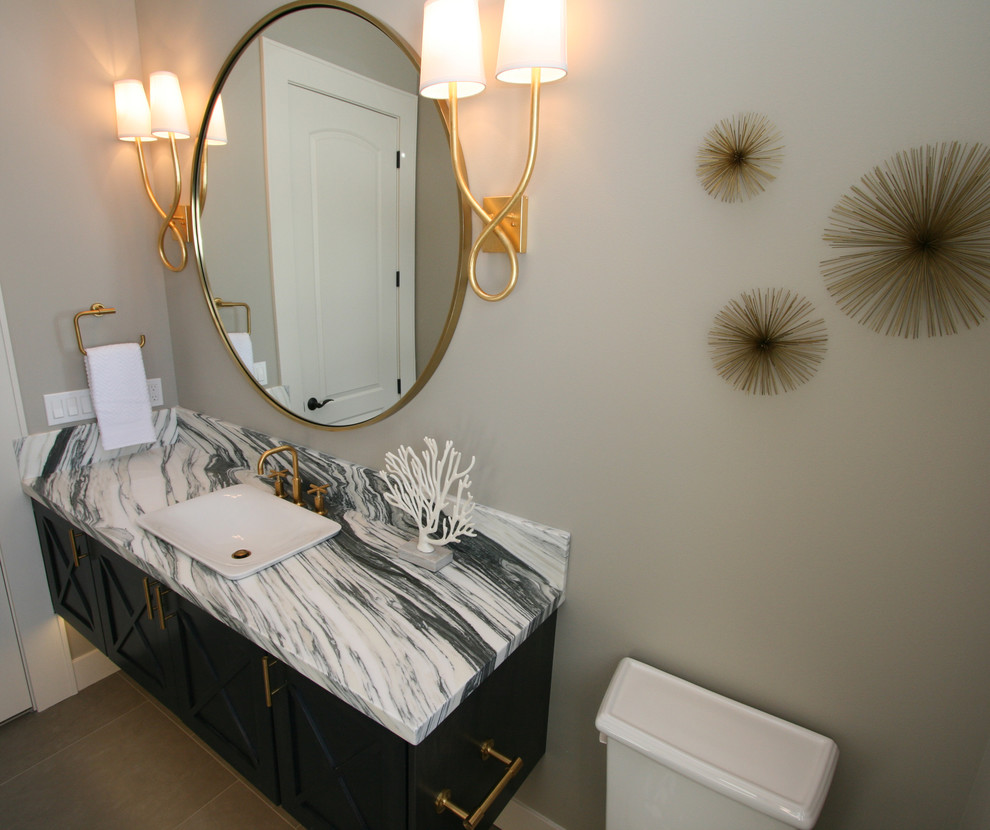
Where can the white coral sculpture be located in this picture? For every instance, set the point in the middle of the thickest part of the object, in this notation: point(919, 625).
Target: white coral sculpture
point(422, 489)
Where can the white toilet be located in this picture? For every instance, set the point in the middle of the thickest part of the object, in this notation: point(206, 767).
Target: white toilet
point(683, 758)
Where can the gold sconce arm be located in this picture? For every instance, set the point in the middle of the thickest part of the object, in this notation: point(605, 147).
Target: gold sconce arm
point(171, 220)
point(493, 222)
point(532, 49)
point(164, 117)
point(460, 174)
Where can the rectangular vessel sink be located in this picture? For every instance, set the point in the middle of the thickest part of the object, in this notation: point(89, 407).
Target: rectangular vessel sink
point(219, 527)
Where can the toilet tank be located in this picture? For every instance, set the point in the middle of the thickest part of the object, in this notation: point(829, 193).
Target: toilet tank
point(681, 757)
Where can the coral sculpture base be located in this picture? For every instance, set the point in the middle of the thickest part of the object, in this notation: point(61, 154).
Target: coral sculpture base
point(434, 561)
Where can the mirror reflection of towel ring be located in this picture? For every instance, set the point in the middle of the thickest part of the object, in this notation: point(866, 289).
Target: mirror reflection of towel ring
point(247, 309)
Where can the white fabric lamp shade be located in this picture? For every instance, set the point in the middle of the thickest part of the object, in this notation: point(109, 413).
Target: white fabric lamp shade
point(451, 49)
point(168, 114)
point(133, 113)
point(534, 36)
point(216, 130)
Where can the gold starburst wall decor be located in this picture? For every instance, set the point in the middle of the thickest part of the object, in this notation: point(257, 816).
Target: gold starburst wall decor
point(738, 157)
point(917, 232)
point(764, 342)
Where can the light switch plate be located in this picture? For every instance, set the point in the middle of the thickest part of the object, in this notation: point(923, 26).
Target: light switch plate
point(77, 405)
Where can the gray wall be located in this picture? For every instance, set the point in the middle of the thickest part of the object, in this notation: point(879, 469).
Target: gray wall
point(77, 227)
point(821, 554)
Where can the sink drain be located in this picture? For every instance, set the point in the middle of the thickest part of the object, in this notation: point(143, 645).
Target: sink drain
point(240, 554)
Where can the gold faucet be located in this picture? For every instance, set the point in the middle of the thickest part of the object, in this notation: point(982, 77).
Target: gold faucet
point(277, 475)
point(319, 502)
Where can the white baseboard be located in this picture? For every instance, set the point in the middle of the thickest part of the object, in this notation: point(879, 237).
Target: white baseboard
point(518, 816)
point(91, 667)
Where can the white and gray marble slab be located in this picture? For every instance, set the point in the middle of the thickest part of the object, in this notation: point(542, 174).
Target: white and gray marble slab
point(399, 643)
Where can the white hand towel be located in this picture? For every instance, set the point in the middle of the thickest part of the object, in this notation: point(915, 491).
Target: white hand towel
point(241, 341)
point(119, 390)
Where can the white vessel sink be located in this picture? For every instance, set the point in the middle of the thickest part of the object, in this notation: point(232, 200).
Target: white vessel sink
point(240, 530)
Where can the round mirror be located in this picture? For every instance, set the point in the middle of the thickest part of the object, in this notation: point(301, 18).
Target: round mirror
point(328, 228)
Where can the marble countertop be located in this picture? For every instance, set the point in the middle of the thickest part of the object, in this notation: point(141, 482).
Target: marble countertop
point(399, 643)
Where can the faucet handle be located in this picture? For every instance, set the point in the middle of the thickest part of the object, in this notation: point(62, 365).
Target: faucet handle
point(319, 505)
point(278, 476)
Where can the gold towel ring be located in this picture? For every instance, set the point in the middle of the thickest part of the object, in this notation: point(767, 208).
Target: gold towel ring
point(97, 309)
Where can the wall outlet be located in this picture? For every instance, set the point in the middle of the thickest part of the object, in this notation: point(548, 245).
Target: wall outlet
point(77, 405)
point(155, 392)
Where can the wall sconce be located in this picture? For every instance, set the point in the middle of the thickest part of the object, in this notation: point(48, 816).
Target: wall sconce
point(532, 49)
point(165, 117)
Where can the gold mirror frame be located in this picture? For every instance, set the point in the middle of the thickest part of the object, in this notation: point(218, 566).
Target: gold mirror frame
point(198, 190)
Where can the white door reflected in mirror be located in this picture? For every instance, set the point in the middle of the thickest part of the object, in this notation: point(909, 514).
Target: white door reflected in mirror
point(341, 152)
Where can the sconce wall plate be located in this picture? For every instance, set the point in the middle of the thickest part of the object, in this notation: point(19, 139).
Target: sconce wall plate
point(182, 223)
point(514, 226)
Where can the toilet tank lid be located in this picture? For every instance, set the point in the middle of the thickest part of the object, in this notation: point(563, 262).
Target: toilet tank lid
point(776, 767)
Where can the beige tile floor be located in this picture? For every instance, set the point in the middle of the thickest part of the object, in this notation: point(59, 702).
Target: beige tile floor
point(110, 758)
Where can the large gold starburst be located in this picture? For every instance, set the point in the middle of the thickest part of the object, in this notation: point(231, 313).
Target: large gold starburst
point(737, 157)
point(764, 342)
point(918, 231)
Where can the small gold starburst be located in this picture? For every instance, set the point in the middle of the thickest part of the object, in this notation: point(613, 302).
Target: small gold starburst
point(738, 155)
point(764, 342)
point(918, 232)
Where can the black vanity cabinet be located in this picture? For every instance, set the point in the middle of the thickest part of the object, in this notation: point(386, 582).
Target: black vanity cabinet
point(108, 600)
point(133, 636)
point(337, 768)
point(69, 569)
point(340, 770)
point(208, 674)
point(507, 713)
point(329, 765)
point(222, 690)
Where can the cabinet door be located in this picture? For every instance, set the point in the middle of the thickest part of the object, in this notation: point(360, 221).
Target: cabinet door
point(70, 574)
point(338, 769)
point(220, 691)
point(135, 638)
point(510, 710)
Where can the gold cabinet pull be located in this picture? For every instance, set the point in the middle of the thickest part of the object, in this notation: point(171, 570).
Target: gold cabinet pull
point(76, 555)
point(147, 598)
point(162, 616)
point(472, 820)
point(266, 664)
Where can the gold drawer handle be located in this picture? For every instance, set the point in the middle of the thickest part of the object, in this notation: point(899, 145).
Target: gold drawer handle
point(470, 822)
point(266, 664)
point(147, 598)
point(76, 556)
point(162, 616)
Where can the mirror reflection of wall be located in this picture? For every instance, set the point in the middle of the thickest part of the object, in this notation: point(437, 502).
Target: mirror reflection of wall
point(236, 250)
